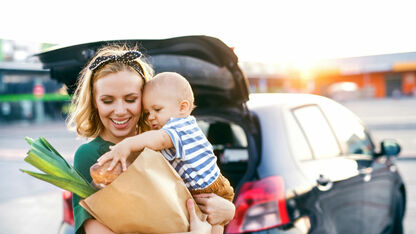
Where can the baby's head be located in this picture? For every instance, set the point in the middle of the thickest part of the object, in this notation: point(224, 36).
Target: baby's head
point(167, 95)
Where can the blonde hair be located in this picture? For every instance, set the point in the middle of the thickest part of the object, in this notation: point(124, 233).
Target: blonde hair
point(84, 119)
point(176, 83)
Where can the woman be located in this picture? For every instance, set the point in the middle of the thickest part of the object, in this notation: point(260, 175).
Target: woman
point(108, 109)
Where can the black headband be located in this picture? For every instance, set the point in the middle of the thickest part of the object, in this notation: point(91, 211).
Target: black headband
point(126, 58)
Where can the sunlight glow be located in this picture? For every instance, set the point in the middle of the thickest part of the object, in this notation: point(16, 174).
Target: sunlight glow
point(294, 32)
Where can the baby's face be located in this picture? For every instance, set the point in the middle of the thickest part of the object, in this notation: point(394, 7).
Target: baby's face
point(159, 106)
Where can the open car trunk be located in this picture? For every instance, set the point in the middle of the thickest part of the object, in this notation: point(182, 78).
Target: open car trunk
point(210, 66)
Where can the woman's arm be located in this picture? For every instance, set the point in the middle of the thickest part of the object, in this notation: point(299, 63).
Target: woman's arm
point(218, 209)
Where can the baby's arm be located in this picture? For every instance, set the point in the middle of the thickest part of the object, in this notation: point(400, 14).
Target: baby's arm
point(154, 139)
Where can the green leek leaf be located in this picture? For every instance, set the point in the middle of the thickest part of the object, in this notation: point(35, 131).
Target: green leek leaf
point(81, 190)
point(29, 140)
point(49, 146)
point(58, 171)
point(49, 166)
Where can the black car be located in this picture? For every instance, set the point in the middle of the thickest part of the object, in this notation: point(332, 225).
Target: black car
point(299, 163)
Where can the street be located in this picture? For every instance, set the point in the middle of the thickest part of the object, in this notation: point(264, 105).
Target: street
point(28, 205)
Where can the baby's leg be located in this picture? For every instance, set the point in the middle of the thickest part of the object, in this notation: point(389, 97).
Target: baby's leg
point(217, 229)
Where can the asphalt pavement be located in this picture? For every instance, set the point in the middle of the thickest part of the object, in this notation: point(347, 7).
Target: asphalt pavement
point(28, 205)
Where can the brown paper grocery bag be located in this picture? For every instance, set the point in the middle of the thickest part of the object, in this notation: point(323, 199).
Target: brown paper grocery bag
point(149, 197)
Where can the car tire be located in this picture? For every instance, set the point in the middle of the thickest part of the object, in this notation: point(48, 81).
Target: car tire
point(397, 226)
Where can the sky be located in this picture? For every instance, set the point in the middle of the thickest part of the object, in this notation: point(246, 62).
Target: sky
point(298, 31)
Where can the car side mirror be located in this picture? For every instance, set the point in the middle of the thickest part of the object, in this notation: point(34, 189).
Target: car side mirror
point(389, 147)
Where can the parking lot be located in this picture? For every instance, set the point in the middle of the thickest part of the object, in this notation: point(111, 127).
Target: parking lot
point(32, 206)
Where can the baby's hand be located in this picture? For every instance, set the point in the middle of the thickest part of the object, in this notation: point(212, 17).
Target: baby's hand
point(118, 153)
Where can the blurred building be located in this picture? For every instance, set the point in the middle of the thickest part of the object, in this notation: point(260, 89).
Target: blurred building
point(377, 76)
point(26, 91)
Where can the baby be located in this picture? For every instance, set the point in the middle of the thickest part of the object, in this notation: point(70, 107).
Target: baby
point(168, 102)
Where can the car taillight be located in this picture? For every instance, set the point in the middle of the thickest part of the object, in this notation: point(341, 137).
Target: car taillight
point(68, 213)
point(260, 205)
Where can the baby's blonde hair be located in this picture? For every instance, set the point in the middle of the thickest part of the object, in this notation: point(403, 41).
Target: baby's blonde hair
point(84, 119)
point(176, 83)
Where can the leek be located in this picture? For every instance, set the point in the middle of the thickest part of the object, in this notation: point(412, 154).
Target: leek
point(57, 170)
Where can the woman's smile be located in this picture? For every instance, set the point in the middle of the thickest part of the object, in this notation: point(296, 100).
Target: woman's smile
point(120, 124)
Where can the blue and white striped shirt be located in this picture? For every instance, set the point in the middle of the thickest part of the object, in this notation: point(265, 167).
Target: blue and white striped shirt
point(192, 155)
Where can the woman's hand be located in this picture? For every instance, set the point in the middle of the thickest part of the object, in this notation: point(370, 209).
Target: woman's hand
point(197, 226)
point(218, 209)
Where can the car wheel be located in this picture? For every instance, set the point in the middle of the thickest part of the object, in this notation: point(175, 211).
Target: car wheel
point(397, 225)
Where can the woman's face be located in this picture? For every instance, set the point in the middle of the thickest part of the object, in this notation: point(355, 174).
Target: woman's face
point(117, 98)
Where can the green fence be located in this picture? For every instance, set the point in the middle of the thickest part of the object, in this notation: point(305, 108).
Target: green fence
point(31, 97)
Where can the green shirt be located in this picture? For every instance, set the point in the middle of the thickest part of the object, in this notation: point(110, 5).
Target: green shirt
point(86, 155)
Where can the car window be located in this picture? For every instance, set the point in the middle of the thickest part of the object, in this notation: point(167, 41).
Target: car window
point(317, 131)
point(239, 136)
point(228, 140)
point(297, 141)
point(203, 125)
point(349, 130)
